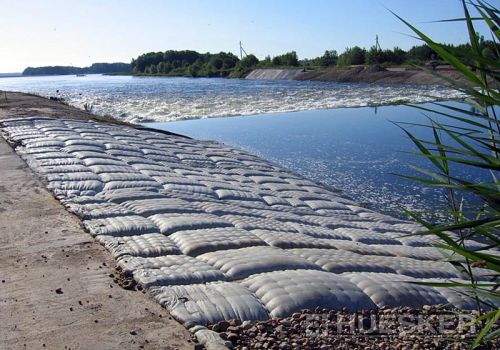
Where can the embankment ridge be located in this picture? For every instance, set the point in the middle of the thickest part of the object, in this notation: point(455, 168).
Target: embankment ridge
point(358, 74)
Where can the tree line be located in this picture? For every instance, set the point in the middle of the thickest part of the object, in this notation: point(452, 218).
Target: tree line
point(95, 68)
point(225, 64)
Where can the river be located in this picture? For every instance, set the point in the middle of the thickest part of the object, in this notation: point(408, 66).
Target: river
point(304, 126)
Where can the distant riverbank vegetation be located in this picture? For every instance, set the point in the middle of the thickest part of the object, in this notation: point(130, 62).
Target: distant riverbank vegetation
point(190, 63)
point(225, 64)
point(96, 68)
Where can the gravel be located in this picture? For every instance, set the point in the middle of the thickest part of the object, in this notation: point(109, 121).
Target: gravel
point(400, 328)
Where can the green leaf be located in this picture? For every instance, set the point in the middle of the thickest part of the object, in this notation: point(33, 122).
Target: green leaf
point(422, 148)
point(493, 317)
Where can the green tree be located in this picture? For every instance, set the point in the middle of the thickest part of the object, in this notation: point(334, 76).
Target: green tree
point(352, 56)
point(329, 58)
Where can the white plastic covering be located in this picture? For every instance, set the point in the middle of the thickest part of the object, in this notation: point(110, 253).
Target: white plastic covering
point(185, 217)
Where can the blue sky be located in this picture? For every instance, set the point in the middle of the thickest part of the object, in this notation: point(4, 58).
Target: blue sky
point(68, 32)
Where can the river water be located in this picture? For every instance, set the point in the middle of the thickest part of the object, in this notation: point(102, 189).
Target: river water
point(304, 126)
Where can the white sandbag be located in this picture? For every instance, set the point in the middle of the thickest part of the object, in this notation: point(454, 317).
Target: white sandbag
point(121, 154)
point(51, 155)
point(149, 207)
point(72, 176)
point(39, 150)
point(171, 223)
point(240, 263)
point(92, 155)
point(221, 208)
point(195, 189)
point(319, 231)
point(98, 210)
point(374, 216)
point(340, 261)
point(257, 223)
point(169, 178)
point(99, 168)
point(323, 204)
point(204, 304)
point(273, 200)
point(289, 240)
point(391, 290)
point(366, 236)
point(196, 242)
point(419, 253)
point(146, 245)
point(286, 292)
point(44, 143)
point(120, 226)
point(80, 148)
point(76, 141)
point(425, 268)
point(267, 180)
point(122, 195)
point(84, 186)
point(71, 168)
point(364, 249)
point(53, 163)
point(102, 161)
point(145, 185)
point(228, 194)
point(211, 340)
point(130, 175)
point(169, 270)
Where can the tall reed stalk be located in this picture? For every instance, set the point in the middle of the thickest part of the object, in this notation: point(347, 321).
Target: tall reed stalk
point(472, 140)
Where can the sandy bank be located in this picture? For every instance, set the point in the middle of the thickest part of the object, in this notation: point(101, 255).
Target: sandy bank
point(371, 74)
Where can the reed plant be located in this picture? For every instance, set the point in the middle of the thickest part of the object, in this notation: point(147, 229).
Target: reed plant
point(470, 138)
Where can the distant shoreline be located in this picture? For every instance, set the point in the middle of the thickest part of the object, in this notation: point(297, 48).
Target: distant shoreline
point(353, 74)
point(359, 74)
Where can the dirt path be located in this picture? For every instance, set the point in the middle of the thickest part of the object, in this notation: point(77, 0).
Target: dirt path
point(56, 283)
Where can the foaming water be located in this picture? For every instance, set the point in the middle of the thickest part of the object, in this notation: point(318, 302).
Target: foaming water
point(141, 99)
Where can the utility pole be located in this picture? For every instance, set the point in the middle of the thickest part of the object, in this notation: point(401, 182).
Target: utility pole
point(242, 50)
point(377, 45)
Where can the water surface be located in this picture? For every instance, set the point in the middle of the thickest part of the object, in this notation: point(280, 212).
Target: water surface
point(357, 150)
point(140, 99)
point(353, 149)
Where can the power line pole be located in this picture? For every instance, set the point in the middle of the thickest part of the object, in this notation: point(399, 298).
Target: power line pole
point(377, 45)
point(242, 50)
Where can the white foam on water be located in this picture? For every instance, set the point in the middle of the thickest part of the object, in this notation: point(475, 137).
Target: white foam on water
point(171, 99)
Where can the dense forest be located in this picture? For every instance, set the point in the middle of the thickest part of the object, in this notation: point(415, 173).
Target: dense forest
point(96, 68)
point(194, 64)
point(185, 63)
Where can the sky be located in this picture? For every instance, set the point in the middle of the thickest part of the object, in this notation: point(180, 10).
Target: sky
point(79, 33)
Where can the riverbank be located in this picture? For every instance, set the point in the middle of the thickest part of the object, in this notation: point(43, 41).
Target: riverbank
point(58, 285)
point(212, 232)
point(359, 74)
point(356, 74)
